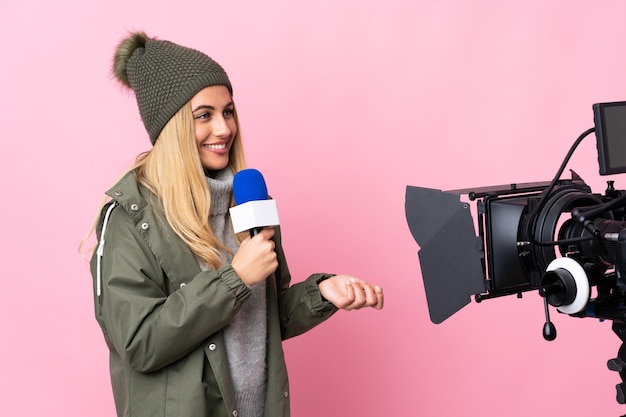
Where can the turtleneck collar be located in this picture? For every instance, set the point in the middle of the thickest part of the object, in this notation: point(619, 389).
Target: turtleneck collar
point(220, 187)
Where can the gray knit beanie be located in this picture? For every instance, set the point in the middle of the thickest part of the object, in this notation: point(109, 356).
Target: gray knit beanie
point(164, 76)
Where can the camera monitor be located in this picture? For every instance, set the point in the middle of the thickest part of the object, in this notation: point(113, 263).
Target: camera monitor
point(610, 129)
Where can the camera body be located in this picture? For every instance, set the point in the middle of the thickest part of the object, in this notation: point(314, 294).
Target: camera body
point(524, 239)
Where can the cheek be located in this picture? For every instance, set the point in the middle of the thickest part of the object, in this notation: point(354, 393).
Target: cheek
point(233, 127)
point(201, 133)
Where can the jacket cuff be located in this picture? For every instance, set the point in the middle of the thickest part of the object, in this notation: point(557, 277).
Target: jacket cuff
point(234, 283)
point(318, 303)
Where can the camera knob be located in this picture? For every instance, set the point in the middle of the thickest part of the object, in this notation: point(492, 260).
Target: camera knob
point(565, 285)
point(616, 364)
point(621, 393)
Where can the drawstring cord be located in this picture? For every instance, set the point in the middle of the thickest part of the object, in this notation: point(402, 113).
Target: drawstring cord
point(100, 251)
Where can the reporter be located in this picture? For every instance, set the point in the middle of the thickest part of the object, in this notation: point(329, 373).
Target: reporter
point(194, 315)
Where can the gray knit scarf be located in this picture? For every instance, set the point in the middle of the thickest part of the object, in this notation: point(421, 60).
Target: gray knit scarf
point(246, 335)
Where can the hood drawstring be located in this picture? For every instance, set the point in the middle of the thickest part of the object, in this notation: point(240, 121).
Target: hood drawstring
point(100, 250)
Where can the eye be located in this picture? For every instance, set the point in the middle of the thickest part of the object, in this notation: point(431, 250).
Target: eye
point(203, 115)
point(229, 112)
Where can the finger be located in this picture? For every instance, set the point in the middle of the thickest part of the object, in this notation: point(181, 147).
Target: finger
point(265, 234)
point(370, 295)
point(349, 297)
point(380, 298)
point(359, 296)
point(268, 232)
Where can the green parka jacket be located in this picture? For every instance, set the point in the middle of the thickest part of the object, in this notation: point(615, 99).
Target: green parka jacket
point(162, 317)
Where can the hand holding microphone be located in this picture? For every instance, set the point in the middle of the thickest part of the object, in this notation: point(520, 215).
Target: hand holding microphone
point(255, 259)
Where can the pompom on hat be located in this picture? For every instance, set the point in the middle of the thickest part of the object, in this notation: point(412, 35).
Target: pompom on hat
point(164, 76)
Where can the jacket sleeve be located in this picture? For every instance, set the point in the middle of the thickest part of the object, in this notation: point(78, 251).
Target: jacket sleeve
point(301, 306)
point(146, 325)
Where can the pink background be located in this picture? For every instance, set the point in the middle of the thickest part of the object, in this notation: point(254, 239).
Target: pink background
point(343, 104)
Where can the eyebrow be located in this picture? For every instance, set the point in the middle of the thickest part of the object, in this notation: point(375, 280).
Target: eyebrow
point(207, 107)
point(203, 107)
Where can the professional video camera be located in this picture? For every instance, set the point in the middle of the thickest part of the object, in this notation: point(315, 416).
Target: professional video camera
point(557, 237)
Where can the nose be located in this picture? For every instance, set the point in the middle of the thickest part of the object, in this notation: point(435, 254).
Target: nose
point(221, 127)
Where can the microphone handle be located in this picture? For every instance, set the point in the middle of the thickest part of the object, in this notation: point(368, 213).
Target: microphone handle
point(255, 231)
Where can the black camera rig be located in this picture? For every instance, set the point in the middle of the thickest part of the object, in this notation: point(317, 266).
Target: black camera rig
point(556, 237)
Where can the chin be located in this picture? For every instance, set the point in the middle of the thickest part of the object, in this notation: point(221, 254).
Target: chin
point(215, 166)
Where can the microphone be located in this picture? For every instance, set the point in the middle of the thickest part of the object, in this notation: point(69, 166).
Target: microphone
point(253, 209)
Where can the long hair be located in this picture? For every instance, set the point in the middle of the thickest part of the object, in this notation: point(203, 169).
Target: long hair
point(172, 171)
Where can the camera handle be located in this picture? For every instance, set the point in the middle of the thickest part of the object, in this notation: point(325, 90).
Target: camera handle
point(549, 330)
point(618, 364)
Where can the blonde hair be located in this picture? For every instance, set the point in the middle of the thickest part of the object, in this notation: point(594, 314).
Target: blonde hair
point(172, 171)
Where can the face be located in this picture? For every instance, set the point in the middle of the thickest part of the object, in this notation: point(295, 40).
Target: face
point(214, 124)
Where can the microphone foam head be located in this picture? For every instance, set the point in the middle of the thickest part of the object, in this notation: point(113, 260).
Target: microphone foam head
point(249, 185)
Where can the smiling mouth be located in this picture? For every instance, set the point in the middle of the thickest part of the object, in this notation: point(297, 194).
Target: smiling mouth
point(215, 146)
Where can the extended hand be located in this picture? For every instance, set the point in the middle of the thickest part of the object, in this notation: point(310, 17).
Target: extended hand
point(349, 293)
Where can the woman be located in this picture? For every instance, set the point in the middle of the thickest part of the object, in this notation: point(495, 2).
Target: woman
point(193, 315)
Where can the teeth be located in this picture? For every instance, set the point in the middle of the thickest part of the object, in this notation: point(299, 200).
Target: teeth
point(216, 147)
